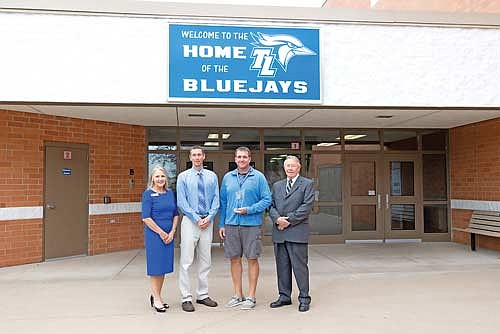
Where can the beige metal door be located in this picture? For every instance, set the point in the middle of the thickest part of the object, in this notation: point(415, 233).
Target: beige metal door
point(402, 201)
point(66, 200)
point(363, 210)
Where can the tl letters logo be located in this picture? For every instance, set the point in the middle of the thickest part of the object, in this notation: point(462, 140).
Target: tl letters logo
point(279, 48)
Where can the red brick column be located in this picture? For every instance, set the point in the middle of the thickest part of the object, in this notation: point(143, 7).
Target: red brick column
point(475, 172)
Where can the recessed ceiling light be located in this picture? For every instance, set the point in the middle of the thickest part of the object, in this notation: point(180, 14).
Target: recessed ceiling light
point(384, 116)
point(216, 136)
point(353, 137)
point(211, 143)
point(326, 144)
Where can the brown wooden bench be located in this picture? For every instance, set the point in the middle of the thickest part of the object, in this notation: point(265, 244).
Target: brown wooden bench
point(484, 223)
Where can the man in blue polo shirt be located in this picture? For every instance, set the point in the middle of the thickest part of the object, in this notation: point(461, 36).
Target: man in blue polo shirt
point(244, 196)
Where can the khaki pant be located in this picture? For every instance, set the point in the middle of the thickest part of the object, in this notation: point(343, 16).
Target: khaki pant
point(192, 237)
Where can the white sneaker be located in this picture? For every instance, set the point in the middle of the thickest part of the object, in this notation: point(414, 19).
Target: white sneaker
point(234, 301)
point(248, 304)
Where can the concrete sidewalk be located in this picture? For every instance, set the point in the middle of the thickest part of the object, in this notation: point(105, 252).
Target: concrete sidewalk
point(358, 288)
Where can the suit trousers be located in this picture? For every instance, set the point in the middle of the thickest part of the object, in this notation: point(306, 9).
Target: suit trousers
point(194, 238)
point(292, 256)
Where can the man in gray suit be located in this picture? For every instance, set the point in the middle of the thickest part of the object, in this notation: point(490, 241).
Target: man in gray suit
point(293, 199)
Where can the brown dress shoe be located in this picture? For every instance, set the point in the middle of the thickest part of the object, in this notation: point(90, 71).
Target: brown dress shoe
point(207, 302)
point(187, 307)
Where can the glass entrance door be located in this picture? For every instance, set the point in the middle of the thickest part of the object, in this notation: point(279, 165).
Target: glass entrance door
point(383, 197)
point(402, 196)
point(363, 195)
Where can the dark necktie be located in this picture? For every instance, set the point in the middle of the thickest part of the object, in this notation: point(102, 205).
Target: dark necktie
point(202, 206)
point(288, 186)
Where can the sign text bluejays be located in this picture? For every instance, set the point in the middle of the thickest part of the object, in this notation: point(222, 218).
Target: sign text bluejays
point(239, 86)
point(243, 63)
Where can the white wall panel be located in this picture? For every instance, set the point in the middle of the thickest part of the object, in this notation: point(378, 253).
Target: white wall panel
point(411, 66)
point(67, 58)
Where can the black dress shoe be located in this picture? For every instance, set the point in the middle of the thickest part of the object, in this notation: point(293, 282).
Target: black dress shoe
point(158, 309)
point(187, 307)
point(279, 303)
point(303, 307)
point(207, 302)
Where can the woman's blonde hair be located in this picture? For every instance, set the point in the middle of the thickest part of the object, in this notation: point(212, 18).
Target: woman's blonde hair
point(153, 171)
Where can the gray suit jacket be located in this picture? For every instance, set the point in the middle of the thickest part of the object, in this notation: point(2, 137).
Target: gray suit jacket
point(297, 206)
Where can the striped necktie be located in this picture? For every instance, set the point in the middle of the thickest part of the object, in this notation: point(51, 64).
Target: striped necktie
point(288, 186)
point(202, 206)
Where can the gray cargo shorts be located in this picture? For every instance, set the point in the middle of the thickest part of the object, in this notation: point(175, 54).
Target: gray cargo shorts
point(243, 240)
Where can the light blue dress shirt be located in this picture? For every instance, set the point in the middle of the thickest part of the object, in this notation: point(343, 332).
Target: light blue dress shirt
point(187, 193)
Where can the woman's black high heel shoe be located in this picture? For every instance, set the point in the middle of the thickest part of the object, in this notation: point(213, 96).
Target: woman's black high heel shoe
point(158, 309)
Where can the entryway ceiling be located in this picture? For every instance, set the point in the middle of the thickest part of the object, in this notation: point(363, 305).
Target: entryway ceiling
point(232, 116)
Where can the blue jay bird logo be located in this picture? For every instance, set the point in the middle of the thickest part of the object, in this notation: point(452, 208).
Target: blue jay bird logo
point(279, 48)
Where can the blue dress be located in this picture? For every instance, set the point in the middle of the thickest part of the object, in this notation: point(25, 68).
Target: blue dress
point(162, 208)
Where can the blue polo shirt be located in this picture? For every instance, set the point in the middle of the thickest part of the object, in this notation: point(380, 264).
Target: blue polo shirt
point(249, 191)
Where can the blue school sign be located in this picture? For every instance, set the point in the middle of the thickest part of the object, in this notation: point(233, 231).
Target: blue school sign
point(244, 64)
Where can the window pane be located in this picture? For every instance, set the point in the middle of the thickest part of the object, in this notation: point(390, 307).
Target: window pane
point(402, 178)
point(326, 170)
point(435, 218)
point(232, 139)
point(167, 161)
point(434, 171)
point(328, 221)
point(434, 140)
point(364, 217)
point(363, 178)
point(206, 138)
point(161, 147)
point(281, 139)
point(162, 138)
point(362, 140)
point(403, 217)
point(322, 140)
point(273, 167)
point(400, 140)
point(330, 183)
point(267, 226)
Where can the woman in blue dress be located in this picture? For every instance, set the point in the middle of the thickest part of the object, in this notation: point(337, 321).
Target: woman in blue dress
point(160, 216)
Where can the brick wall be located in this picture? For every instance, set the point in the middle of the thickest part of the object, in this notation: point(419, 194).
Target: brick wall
point(475, 171)
point(125, 232)
point(476, 6)
point(20, 241)
point(113, 150)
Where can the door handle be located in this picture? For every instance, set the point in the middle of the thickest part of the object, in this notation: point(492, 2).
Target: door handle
point(387, 201)
point(50, 206)
point(378, 201)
